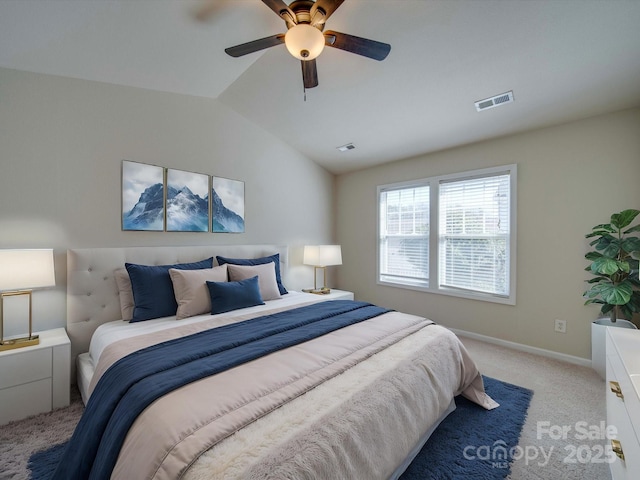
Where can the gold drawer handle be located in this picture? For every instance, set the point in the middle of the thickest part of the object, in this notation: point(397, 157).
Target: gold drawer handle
point(616, 446)
point(615, 388)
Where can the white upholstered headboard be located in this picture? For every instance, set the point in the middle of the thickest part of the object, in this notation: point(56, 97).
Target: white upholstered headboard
point(92, 293)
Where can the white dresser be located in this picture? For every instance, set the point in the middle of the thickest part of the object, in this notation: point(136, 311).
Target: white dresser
point(35, 379)
point(623, 400)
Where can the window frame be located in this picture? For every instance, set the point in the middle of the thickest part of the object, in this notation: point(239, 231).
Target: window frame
point(404, 185)
point(434, 234)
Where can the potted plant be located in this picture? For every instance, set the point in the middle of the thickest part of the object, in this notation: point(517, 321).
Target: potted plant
point(615, 286)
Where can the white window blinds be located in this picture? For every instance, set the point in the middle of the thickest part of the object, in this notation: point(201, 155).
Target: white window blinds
point(404, 235)
point(474, 234)
point(452, 234)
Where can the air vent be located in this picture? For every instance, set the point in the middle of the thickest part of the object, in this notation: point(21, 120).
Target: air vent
point(496, 101)
point(348, 146)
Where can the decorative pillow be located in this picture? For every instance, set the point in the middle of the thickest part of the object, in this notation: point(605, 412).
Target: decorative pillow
point(153, 290)
point(258, 261)
point(126, 294)
point(266, 278)
point(190, 287)
point(228, 296)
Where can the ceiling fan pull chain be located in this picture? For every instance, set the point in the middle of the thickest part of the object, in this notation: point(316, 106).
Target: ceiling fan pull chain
point(304, 91)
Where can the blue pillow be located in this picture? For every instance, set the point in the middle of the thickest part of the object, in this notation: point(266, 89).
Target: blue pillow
point(227, 296)
point(152, 288)
point(257, 261)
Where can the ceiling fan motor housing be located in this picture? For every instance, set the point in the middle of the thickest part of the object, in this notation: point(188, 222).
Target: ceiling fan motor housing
point(302, 11)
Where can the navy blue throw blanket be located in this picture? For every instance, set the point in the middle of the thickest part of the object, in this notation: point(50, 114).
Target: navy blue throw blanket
point(135, 381)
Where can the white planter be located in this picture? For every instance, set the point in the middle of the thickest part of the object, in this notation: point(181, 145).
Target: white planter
point(598, 336)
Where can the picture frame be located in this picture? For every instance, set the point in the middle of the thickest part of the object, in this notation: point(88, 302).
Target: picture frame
point(143, 194)
point(187, 201)
point(227, 205)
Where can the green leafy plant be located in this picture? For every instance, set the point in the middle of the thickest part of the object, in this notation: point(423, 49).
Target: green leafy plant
point(614, 262)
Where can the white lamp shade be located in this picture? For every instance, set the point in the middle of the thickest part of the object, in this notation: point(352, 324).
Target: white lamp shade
point(304, 41)
point(322, 255)
point(20, 269)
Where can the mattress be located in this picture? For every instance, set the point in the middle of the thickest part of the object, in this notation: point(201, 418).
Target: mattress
point(364, 421)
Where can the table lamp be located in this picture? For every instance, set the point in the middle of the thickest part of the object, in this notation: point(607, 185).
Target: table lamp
point(321, 256)
point(20, 272)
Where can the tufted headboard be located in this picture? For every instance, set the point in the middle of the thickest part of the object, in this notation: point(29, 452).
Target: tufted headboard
point(92, 293)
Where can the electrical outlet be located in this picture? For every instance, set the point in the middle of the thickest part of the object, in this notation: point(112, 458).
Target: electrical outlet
point(561, 326)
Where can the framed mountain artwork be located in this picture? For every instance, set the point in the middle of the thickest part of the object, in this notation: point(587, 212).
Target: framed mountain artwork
point(142, 197)
point(227, 205)
point(187, 201)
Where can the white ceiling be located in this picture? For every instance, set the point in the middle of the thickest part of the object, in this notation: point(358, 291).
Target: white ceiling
point(563, 59)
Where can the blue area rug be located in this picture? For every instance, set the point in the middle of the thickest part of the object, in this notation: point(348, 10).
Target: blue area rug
point(471, 443)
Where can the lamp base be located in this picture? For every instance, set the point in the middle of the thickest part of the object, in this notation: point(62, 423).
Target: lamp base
point(19, 342)
point(318, 291)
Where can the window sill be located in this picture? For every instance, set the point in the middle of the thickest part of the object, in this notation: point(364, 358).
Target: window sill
point(453, 293)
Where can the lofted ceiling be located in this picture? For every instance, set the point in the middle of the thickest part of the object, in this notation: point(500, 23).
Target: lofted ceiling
point(563, 60)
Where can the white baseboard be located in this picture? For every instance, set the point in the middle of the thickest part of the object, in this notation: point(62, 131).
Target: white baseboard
point(584, 362)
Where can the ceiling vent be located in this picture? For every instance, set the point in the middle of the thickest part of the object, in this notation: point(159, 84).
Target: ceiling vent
point(496, 101)
point(347, 147)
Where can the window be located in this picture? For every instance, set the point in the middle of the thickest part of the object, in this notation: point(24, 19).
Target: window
point(452, 234)
point(404, 246)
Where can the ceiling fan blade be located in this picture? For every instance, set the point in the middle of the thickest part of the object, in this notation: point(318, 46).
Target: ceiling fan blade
point(309, 73)
point(327, 7)
point(282, 10)
point(358, 45)
point(256, 45)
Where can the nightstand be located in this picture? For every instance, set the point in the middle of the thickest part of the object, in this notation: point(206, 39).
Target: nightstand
point(336, 294)
point(35, 379)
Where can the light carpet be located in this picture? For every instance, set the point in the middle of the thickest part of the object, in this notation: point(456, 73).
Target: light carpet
point(566, 396)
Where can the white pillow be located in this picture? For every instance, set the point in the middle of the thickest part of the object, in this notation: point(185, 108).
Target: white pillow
point(266, 277)
point(125, 291)
point(190, 287)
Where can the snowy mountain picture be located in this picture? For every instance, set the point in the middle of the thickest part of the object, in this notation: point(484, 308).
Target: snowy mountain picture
point(142, 197)
point(187, 201)
point(227, 205)
point(179, 201)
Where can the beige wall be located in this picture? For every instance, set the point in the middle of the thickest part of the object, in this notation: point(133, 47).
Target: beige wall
point(570, 178)
point(62, 142)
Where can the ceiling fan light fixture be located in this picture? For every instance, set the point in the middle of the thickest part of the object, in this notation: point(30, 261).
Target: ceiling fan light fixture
point(304, 41)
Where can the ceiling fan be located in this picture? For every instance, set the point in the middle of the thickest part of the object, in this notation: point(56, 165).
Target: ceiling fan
point(305, 40)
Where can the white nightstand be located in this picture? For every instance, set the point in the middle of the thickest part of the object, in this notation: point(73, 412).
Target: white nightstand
point(35, 379)
point(336, 294)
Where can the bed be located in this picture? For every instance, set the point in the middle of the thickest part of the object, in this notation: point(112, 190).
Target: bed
point(357, 400)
